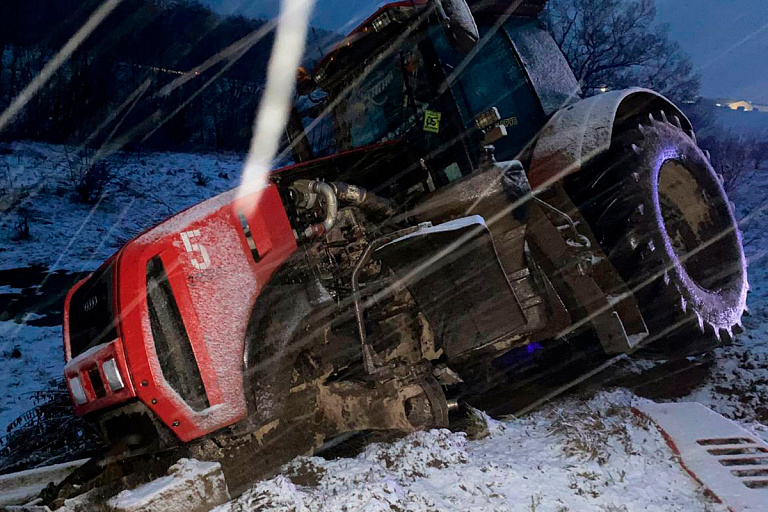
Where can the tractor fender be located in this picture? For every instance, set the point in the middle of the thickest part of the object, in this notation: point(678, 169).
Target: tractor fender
point(585, 129)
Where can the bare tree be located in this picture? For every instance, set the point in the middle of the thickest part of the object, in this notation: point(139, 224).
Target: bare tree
point(758, 151)
point(617, 43)
point(729, 154)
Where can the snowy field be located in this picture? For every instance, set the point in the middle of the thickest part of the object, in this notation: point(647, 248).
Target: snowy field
point(66, 234)
point(573, 455)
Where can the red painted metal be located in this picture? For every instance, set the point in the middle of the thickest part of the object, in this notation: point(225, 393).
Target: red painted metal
point(215, 300)
point(65, 326)
point(365, 26)
point(215, 280)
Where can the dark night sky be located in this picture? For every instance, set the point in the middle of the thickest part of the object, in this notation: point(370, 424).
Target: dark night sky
point(727, 39)
point(728, 42)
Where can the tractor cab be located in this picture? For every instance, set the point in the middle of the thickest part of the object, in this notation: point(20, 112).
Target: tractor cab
point(401, 80)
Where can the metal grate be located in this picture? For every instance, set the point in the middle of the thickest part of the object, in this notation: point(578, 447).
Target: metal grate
point(174, 350)
point(248, 236)
point(745, 458)
point(731, 462)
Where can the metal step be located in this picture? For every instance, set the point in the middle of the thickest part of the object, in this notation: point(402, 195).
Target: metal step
point(728, 460)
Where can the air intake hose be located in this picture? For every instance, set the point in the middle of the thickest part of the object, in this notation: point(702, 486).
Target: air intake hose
point(305, 194)
point(363, 199)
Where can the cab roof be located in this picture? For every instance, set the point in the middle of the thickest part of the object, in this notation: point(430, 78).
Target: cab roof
point(386, 23)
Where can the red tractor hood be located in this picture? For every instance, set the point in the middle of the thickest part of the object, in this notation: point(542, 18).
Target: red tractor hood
point(215, 258)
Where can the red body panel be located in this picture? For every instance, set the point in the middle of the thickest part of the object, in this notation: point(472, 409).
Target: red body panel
point(65, 326)
point(365, 26)
point(215, 279)
point(215, 289)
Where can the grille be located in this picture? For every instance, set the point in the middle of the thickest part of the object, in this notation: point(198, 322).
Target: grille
point(91, 314)
point(174, 350)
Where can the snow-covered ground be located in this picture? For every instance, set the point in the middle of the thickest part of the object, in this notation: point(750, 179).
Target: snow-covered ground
point(575, 455)
point(66, 234)
point(29, 358)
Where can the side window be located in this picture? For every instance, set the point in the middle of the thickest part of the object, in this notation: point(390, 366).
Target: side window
point(318, 128)
point(174, 350)
point(493, 78)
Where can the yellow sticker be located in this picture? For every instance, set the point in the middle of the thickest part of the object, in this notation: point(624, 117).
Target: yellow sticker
point(432, 121)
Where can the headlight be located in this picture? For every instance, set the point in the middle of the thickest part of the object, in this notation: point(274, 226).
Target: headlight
point(112, 374)
point(78, 393)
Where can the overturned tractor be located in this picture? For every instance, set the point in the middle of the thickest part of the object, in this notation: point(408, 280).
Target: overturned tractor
point(454, 206)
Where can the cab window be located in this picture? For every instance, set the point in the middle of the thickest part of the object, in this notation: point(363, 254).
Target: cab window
point(493, 78)
point(389, 102)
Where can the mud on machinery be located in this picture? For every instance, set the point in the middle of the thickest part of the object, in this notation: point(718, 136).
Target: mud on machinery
point(402, 265)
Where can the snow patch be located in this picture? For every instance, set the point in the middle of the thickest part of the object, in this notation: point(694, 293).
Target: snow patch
point(69, 235)
point(30, 358)
point(190, 486)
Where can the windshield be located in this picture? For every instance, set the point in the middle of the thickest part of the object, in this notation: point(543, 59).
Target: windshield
point(383, 105)
point(377, 110)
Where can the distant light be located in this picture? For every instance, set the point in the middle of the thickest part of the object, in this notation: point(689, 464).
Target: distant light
point(603, 89)
point(718, 104)
point(740, 105)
